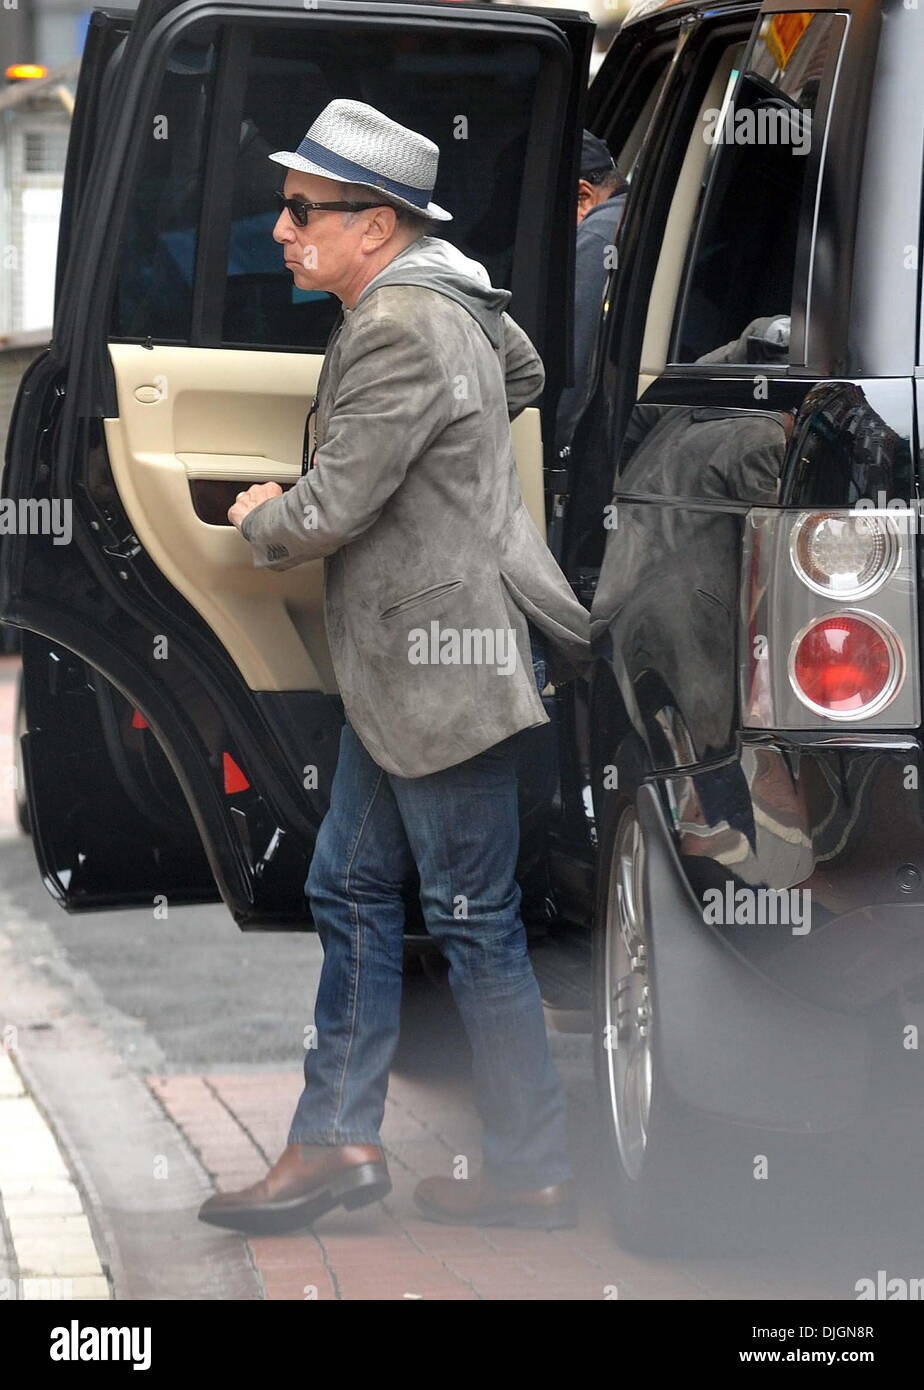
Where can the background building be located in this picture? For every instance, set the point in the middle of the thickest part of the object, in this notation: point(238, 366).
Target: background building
point(34, 125)
point(49, 32)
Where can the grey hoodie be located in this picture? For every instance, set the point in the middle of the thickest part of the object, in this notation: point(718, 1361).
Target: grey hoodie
point(438, 265)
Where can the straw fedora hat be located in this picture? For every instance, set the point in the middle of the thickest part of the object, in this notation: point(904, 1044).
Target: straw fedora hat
point(357, 144)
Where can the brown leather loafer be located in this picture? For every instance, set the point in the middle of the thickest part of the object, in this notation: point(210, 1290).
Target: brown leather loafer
point(307, 1181)
point(477, 1202)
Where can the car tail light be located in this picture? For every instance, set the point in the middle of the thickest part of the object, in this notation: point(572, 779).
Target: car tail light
point(810, 656)
point(847, 665)
point(844, 555)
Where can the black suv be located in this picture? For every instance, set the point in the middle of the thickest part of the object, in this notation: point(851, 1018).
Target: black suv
point(736, 826)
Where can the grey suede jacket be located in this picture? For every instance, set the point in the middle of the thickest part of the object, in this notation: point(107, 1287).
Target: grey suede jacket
point(432, 561)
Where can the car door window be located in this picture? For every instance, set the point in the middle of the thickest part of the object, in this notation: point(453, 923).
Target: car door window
point(627, 131)
point(719, 57)
point(474, 95)
point(626, 89)
point(759, 189)
point(441, 84)
point(159, 241)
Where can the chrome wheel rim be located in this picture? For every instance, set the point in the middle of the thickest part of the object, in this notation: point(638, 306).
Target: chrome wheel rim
point(628, 1020)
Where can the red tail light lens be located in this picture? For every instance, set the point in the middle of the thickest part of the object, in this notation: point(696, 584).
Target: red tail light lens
point(846, 665)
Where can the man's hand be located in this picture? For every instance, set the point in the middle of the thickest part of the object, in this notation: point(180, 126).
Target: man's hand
point(253, 497)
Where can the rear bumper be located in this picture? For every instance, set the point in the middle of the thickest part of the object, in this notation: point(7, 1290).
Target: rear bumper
point(834, 824)
point(731, 1042)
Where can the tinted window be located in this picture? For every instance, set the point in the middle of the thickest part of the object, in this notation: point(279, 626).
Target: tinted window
point(761, 181)
point(473, 95)
point(159, 239)
point(635, 115)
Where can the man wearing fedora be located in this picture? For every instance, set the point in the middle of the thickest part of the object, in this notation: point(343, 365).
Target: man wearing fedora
point(442, 605)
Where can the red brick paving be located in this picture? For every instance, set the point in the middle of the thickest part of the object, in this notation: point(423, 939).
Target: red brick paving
point(238, 1125)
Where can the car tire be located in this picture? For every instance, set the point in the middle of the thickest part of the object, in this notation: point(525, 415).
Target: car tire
point(665, 1181)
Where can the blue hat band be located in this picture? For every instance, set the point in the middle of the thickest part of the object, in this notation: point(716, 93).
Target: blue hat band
point(358, 173)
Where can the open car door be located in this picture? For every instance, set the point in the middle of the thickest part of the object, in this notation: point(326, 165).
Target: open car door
point(183, 718)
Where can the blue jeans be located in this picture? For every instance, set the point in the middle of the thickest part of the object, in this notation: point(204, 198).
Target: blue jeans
point(460, 826)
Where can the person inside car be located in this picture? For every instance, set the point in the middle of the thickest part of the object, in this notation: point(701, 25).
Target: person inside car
point(601, 202)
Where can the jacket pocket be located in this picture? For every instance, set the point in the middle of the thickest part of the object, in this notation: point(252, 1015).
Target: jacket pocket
point(420, 596)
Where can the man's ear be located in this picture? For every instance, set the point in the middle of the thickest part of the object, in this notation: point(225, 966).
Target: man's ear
point(381, 226)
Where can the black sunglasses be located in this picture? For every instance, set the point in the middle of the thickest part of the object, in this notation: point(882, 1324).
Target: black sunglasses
point(299, 209)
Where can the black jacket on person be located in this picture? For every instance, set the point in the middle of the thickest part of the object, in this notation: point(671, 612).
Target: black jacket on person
point(595, 234)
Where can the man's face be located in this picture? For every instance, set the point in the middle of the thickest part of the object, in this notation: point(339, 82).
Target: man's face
point(325, 254)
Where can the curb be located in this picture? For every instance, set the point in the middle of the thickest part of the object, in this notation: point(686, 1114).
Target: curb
point(100, 1230)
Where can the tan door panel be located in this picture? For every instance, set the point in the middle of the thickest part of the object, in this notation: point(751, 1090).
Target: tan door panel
point(237, 415)
point(527, 447)
point(179, 403)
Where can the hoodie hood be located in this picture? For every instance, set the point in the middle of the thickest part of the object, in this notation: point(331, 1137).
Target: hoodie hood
point(438, 265)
